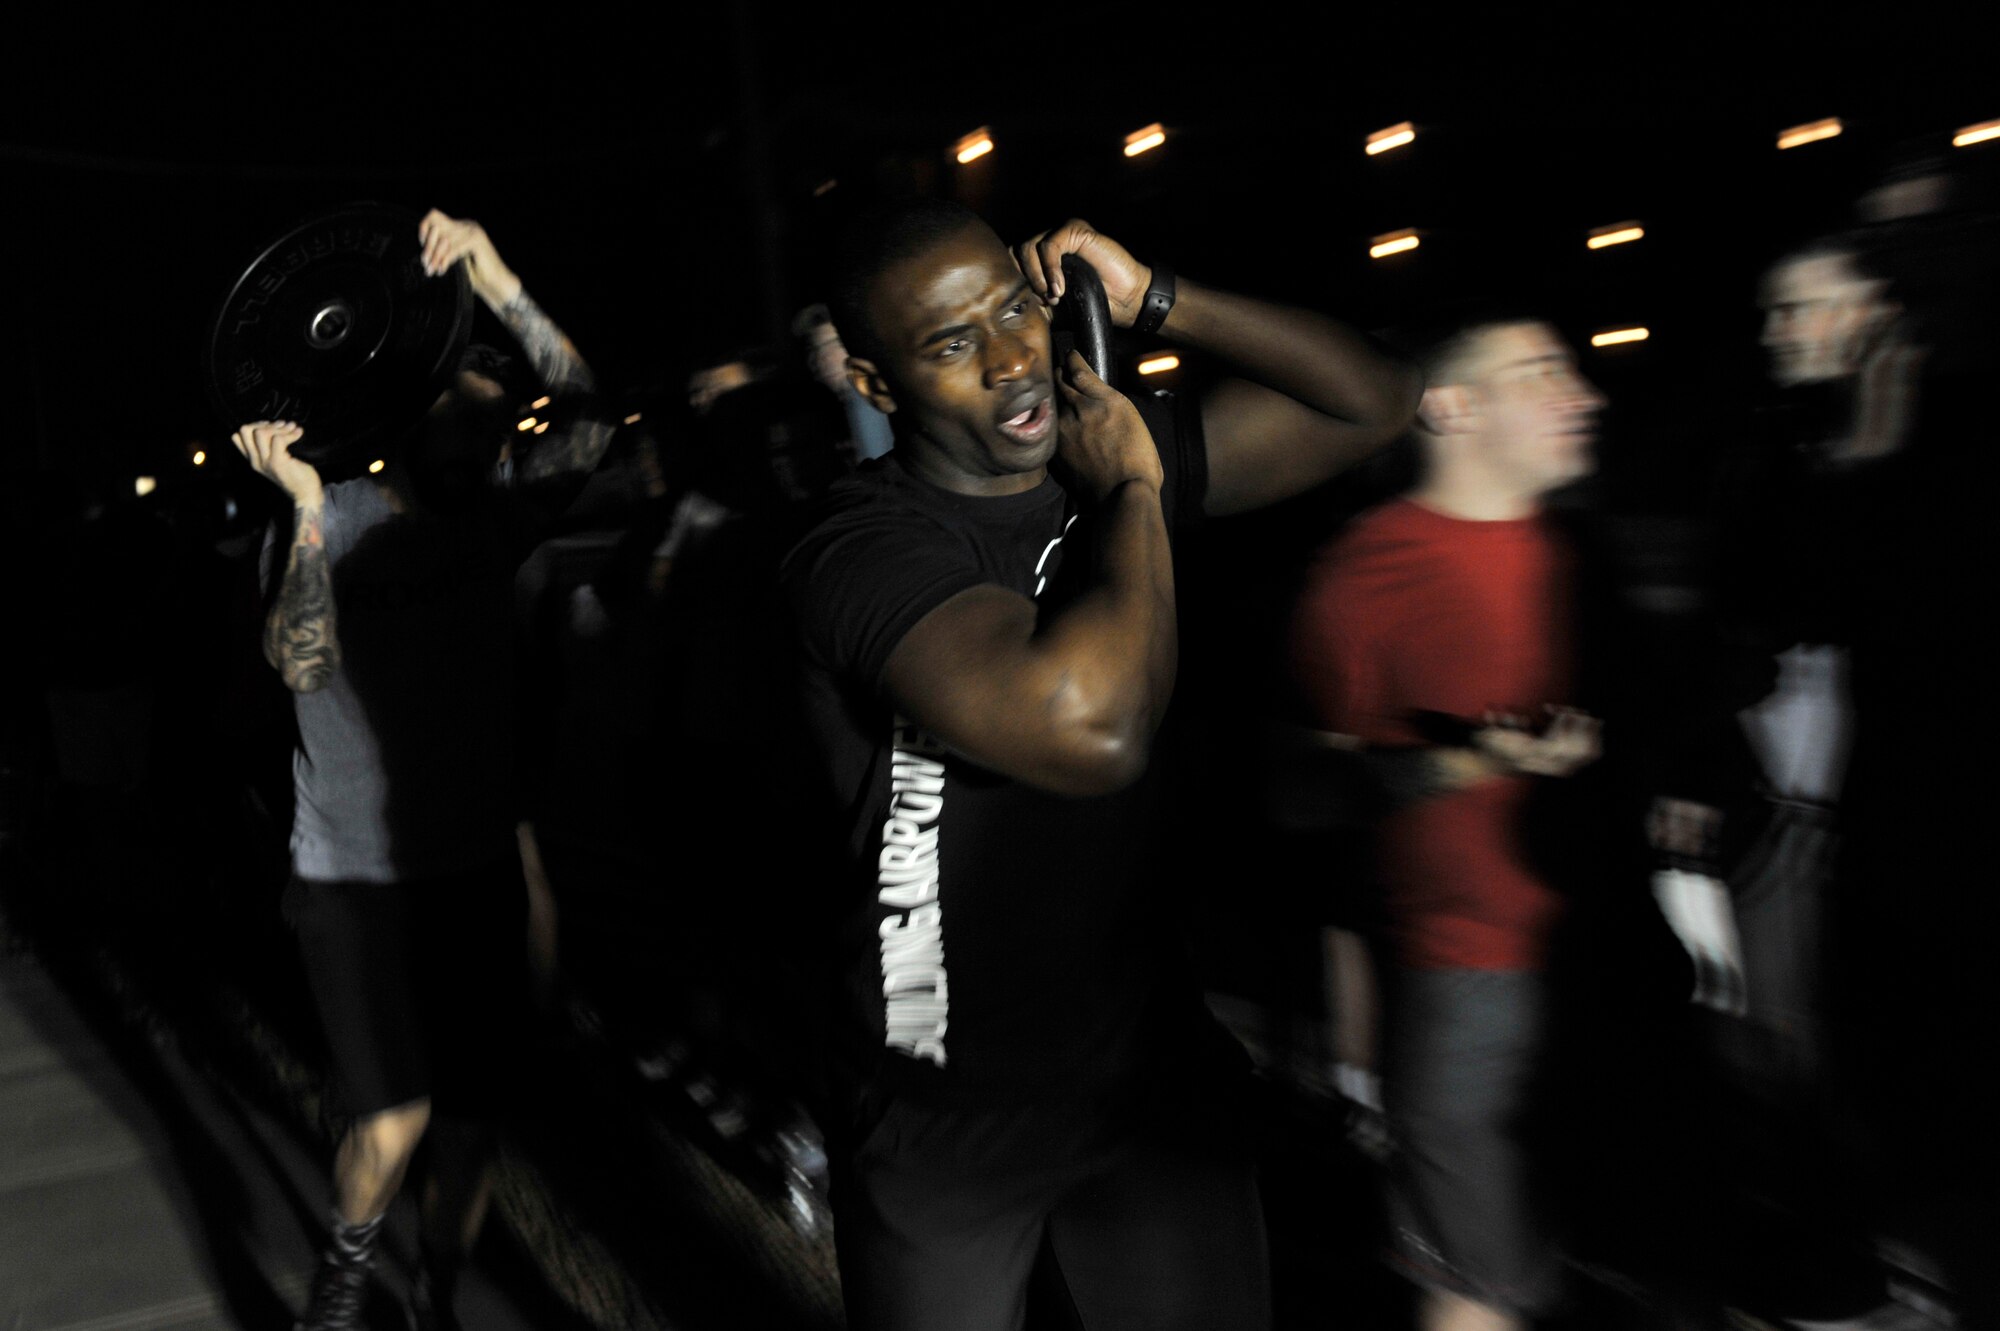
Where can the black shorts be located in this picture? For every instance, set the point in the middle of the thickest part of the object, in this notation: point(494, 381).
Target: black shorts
point(1154, 1220)
point(421, 986)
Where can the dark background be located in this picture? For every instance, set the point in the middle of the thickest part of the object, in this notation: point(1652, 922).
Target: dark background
point(653, 172)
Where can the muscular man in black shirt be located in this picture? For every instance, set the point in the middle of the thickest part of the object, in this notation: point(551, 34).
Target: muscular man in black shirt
point(990, 649)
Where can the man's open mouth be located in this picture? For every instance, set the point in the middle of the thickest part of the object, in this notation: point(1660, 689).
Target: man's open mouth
point(1031, 425)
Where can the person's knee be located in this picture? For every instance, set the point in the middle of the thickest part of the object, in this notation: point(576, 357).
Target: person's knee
point(1441, 1310)
point(385, 1141)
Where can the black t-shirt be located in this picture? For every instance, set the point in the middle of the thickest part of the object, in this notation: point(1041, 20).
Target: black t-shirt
point(999, 943)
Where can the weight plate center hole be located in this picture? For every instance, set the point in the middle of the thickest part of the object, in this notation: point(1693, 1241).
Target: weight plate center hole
point(330, 326)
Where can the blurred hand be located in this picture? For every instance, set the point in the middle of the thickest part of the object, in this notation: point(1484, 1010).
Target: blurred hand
point(1125, 278)
point(266, 446)
point(447, 240)
point(1101, 439)
point(1568, 743)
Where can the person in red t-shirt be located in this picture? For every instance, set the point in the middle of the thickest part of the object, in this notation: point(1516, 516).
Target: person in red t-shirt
point(1432, 643)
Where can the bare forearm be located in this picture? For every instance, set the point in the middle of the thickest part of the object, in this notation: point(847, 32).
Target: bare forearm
point(1115, 647)
point(299, 638)
point(1317, 361)
point(1067, 702)
point(563, 372)
point(1403, 776)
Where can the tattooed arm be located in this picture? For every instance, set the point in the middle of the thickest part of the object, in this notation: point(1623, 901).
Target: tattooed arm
point(299, 640)
point(579, 447)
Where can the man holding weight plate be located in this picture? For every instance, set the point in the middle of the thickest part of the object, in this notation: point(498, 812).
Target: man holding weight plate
point(988, 620)
point(391, 622)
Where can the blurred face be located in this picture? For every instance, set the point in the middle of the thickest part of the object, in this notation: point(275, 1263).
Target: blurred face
point(1821, 318)
point(1537, 414)
point(966, 365)
point(460, 440)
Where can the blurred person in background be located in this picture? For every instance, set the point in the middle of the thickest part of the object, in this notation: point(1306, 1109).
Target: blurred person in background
point(1433, 643)
point(868, 432)
point(391, 623)
point(989, 629)
point(766, 433)
point(710, 383)
point(1796, 562)
point(1828, 781)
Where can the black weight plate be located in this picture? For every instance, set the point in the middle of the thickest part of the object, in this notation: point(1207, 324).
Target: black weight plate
point(336, 326)
point(1083, 319)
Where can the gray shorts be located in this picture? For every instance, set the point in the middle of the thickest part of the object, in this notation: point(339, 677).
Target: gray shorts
point(1462, 1052)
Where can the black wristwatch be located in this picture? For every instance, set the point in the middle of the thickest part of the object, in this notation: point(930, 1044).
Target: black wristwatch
point(1159, 300)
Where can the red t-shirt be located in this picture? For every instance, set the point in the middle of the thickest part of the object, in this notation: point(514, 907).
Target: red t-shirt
point(1411, 610)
